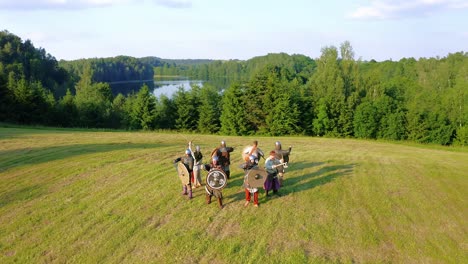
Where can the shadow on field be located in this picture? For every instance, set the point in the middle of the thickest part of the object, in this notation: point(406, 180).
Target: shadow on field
point(301, 165)
point(322, 176)
point(28, 156)
point(26, 193)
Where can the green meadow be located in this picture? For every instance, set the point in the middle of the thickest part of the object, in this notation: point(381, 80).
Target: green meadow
point(80, 196)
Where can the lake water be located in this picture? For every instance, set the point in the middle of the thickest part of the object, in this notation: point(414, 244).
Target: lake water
point(169, 87)
point(166, 86)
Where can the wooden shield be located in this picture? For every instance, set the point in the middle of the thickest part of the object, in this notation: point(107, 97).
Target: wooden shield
point(216, 179)
point(184, 175)
point(256, 177)
point(247, 151)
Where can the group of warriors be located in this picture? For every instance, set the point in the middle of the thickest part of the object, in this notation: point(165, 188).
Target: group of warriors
point(270, 177)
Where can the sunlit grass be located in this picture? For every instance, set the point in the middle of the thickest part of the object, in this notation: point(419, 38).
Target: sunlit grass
point(90, 196)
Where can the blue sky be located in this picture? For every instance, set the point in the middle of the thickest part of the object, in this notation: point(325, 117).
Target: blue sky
point(242, 29)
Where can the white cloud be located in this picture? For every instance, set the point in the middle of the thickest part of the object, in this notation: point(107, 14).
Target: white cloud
point(83, 4)
point(388, 9)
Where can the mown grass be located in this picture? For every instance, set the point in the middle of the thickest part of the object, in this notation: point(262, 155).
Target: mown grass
point(114, 197)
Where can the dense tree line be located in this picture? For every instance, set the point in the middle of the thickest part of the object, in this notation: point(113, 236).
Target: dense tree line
point(120, 69)
point(423, 100)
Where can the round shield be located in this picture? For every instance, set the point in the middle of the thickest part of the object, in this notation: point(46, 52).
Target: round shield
point(247, 151)
point(216, 179)
point(184, 175)
point(256, 177)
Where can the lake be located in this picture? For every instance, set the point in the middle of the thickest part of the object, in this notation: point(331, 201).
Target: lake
point(166, 86)
point(169, 87)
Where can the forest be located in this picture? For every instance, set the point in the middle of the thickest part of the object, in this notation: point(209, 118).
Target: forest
point(335, 95)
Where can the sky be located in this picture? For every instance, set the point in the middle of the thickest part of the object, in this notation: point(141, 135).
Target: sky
point(241, 29)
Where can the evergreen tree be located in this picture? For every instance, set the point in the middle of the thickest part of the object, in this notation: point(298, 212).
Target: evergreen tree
point(166, 113)
point(209, 108)
point(67, 110)
point(234, 114)
point(187, 114)
point(321, 124)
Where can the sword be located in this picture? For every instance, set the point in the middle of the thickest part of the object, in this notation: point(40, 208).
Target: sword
point(281, 164)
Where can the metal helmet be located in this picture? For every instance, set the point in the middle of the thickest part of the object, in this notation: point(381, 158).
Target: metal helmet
point(215, 158)
point(197, 148)
point(188, 152)
point(223, 144)
point(278, 145)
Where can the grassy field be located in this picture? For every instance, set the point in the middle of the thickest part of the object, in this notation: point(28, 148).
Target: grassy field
point(114, 197)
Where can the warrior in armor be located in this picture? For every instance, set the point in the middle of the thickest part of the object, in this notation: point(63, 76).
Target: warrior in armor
point(197, 156)
point(210, 191)
point(283, 156)
point(251, 163)
point(253, 150)
point(188, 162)
point(223, 154)
point(272, 182)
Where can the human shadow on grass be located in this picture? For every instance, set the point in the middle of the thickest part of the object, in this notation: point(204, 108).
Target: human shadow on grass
point(322, 176)
point(308, 181)
point(30, 156)
point(294, 166)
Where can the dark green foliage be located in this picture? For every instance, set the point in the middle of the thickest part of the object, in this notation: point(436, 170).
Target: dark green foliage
point(423, 100)
point(234, 117)
point(166, 113)
point(186, 103)
point(365, 121)
point(140, 110)
point(210, 110)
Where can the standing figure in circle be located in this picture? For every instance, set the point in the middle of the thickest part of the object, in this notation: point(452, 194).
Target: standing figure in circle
point(253, 150)
point(197, 167)
point(251, 163)
point(283, 156)
point(223, 154)
point(188, 162)
point(272, 182)
point(215, 167)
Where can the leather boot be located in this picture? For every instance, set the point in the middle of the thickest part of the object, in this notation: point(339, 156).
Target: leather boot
point(190, 194)
point(208, 199)
point(184, 190)
point(228, 174)
point(220, 203)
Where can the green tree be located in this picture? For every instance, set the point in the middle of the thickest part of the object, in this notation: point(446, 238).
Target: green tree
point(143, 109)
point(321, 123)
point(209, 108)
point(187, 114)
point(365, 121)
point(67, 110)
point(234, 116)
point(166, 113)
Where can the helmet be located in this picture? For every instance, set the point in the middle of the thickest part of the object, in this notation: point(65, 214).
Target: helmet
point(188, 152)
point(223, 143)
point(252, 157)
point(277, 145)
point(197, 148)
point(215, 158)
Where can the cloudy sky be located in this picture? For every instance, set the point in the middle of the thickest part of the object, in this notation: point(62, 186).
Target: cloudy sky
point(241, 29)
